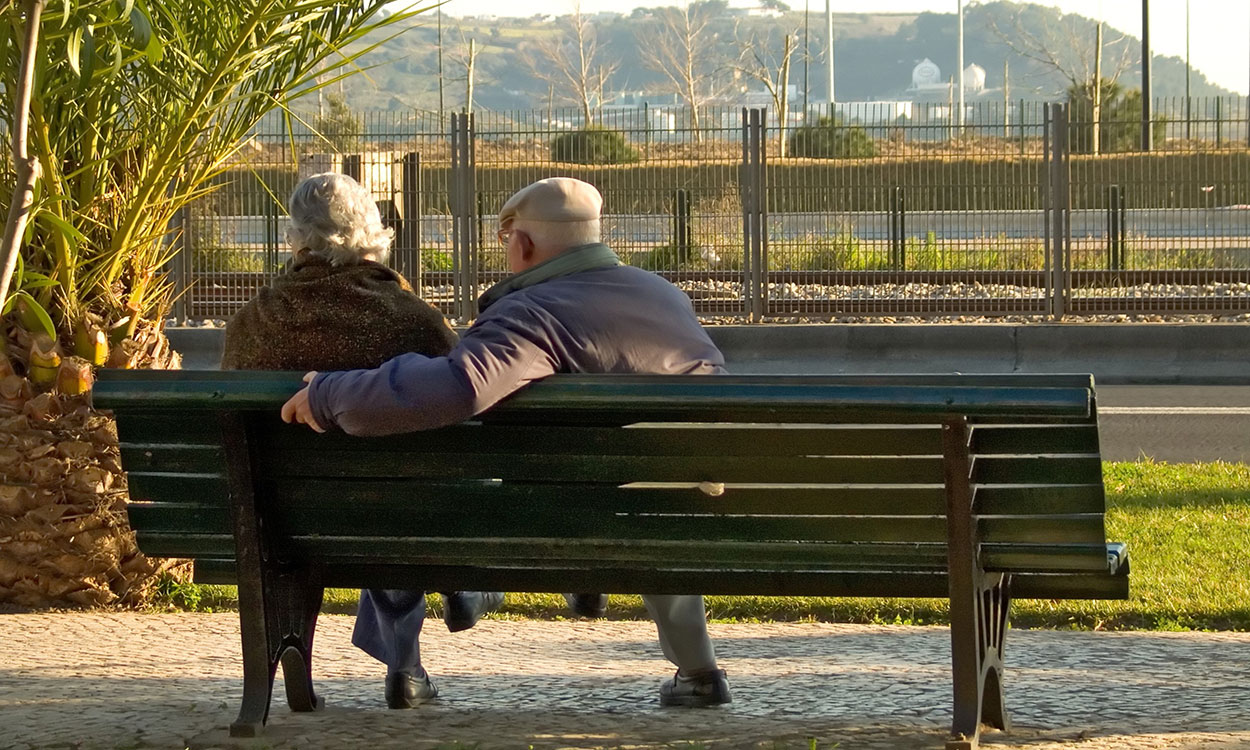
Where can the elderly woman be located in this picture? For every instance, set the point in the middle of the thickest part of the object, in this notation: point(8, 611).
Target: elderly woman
point(337, 307)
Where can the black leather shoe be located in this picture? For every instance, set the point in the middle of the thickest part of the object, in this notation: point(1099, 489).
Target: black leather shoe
point(588, 605)
point(404, 690)
point(704, 689)
point(462, 609)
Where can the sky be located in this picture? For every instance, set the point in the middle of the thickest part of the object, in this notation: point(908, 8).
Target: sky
point(1219, 29)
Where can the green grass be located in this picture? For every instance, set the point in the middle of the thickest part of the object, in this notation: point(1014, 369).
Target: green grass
point(1187, 527)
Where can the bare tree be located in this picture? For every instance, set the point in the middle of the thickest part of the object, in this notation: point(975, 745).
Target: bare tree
point(573, 64)
point(678, 46)
point(465, 56)
point(1065, 47)
point(767, 60)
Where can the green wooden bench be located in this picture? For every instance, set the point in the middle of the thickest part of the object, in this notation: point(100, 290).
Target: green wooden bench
point(973, 488)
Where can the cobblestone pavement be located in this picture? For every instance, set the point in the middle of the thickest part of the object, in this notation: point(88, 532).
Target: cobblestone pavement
point(128, 680)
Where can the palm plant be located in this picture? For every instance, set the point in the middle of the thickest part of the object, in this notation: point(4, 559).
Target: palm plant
point(137, 105)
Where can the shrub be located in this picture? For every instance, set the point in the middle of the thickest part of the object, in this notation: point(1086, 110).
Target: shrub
point(340, 125)
point(670, 257)
point(830, 139)
point(436, 260)
point(593, 145)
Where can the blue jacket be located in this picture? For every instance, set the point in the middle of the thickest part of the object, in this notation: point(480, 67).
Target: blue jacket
point(617, 319)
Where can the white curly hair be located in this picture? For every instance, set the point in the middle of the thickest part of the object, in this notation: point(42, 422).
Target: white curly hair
point(334, 217)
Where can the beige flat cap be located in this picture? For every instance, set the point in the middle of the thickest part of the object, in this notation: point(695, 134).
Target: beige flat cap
point(553, 199)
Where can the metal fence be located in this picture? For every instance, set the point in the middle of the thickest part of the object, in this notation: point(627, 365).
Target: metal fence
point(1023, 208)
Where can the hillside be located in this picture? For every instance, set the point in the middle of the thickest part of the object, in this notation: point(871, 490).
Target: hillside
point(874, 56)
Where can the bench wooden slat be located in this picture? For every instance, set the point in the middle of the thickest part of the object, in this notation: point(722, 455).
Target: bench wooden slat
point(198, 489)
point(1016, 439)
point(638, 440)
point(416, 550)
point(1024, 585)
point(567, 524)
point(490, 498)
point(600, 399)
point(276, 461)
point(1075, 469)
point(162, 426)
point(1040, 499)
point(173, 458)
point(355, 521)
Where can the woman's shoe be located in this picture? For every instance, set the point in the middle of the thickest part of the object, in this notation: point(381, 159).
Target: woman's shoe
point(588, 605)
point(462, 609)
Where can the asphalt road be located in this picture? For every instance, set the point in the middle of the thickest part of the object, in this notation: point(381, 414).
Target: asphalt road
point(1174, 423)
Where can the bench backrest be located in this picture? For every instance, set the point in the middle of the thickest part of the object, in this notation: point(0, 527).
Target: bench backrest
point(832, 484)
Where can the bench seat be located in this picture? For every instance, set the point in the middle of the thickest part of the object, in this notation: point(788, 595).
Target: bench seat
point(976, 488)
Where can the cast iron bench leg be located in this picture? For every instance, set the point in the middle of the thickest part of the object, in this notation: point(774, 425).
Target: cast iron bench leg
point(979, 604)
point(278, 604)
point(977, 653)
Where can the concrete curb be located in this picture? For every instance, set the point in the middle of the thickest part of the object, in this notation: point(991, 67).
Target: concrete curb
point(1116, 353)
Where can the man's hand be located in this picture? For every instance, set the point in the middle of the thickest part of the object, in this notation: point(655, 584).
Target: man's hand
point(296, 409)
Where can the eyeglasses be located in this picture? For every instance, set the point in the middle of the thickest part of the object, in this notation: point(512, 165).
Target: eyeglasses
point(504, 235)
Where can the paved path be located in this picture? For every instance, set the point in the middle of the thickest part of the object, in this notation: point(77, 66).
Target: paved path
point(126, 680)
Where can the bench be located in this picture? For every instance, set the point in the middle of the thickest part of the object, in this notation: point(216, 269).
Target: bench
point(974, 488)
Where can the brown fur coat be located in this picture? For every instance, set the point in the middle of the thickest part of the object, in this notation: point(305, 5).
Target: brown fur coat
point(322, 317)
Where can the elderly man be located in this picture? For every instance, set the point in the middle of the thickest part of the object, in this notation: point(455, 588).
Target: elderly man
point(338, 307)
point(570, 306)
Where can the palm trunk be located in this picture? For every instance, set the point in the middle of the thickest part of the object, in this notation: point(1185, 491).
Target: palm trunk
point(27, 168)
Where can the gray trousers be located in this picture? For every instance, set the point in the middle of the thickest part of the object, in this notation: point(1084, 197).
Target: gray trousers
point(388, 628)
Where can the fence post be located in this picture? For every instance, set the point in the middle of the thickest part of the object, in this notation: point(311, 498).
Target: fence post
point(1060, 210)
point(1115, 228)
point(352, 166)
point(180, 263)
point(1219, 120)
point(646, 127)
point(683, 237)
point(410, 261)
point(270, 264)
point(1023, 134)
point(898, 230)
point(463, 219)
point(754, 213)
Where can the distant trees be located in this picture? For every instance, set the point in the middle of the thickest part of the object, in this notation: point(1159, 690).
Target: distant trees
point(678, 43)
point(573, 63)
point(340, 125)
point(766, 59)
point(1113, 126)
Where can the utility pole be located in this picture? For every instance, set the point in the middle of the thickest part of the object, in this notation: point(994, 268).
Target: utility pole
point(1189, 120)
point(1096, 95)
point(960, 34)
point(441, 110)
point(829, 33)
point(807, 58)
point(468, 75)
point(1006, 101)
point(1147, 137)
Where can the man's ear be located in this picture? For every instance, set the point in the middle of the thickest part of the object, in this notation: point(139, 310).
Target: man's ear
point(528, 250)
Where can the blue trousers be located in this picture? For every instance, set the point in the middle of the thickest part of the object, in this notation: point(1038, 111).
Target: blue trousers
point(388, 628)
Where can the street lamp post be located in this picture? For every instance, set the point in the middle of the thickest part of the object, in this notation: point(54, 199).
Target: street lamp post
point(829, 33)
point(1147, 137)
point(960, 34)
point(1189, 119)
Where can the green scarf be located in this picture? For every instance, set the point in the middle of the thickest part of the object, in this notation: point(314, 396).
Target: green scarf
point(574, 260)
